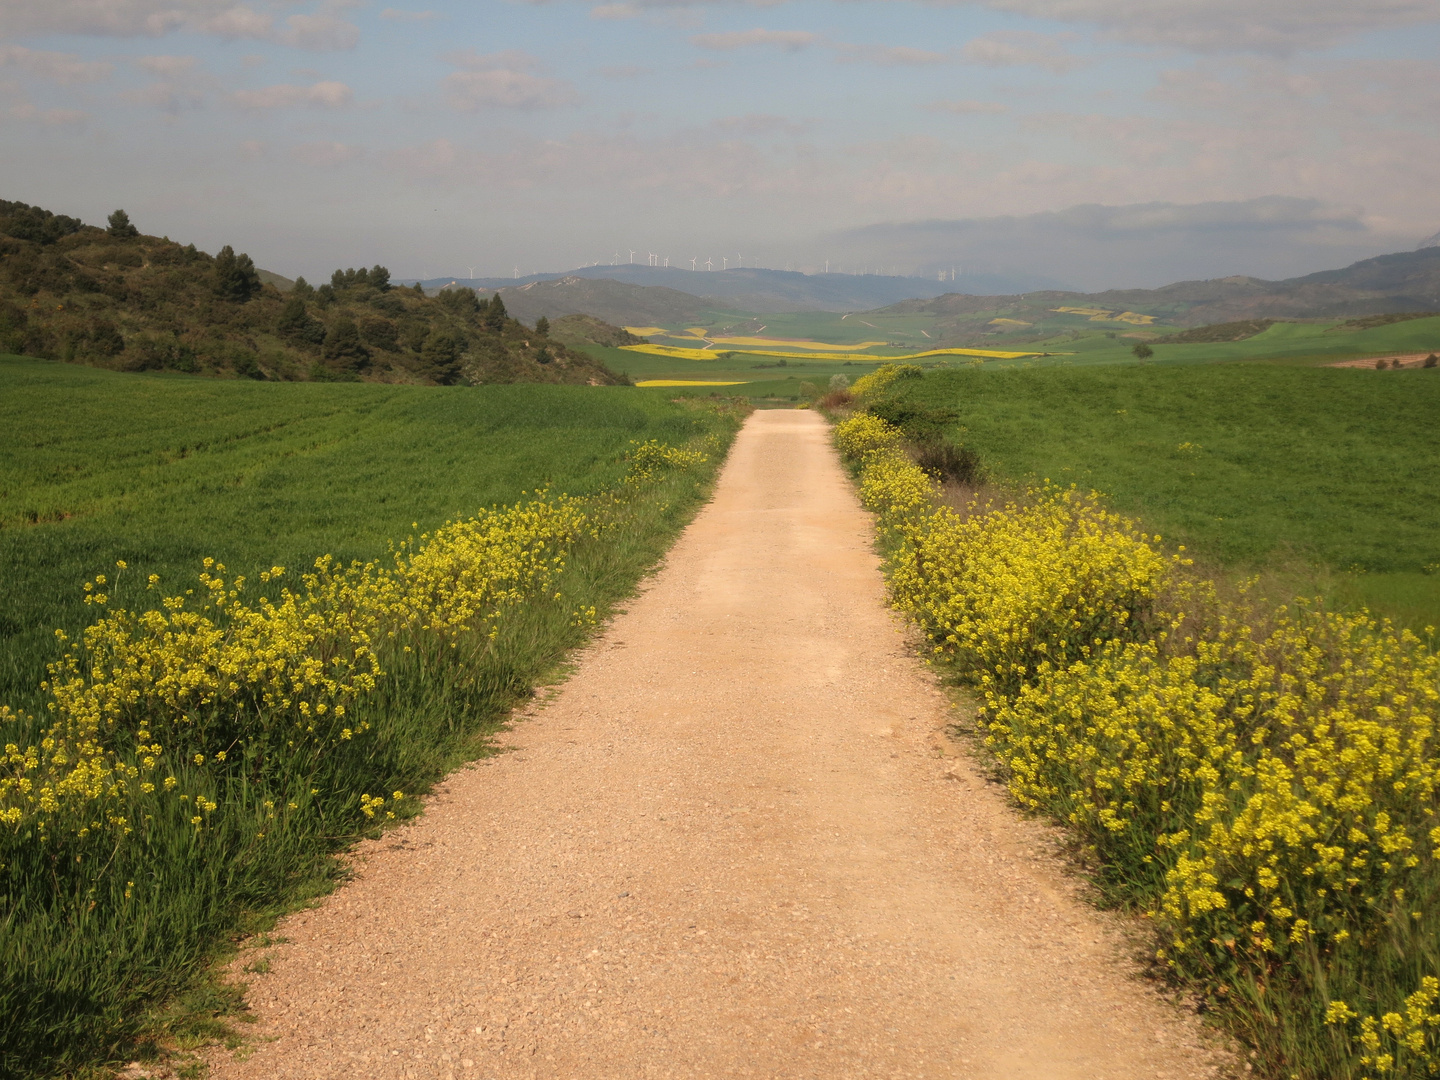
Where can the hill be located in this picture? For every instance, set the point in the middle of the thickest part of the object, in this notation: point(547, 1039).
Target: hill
point(1407, 281)
point(611, 301)
point(749, 289)
point(118, 299)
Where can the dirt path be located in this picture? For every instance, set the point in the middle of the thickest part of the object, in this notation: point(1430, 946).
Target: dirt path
point(728, 848)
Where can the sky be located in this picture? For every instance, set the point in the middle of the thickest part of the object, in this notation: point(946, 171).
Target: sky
point(1099, 143)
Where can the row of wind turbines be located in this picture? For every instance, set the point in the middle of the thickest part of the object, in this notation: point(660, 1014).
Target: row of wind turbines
point(664, 261)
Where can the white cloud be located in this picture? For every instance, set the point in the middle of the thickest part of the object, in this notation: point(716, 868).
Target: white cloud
point(320, 33)
point(507, 80)
point(614, 12)
point(167, 67)
point(892, 55)
point(153, 18)
point(966, 107)
point(1268, 25)
point(28, 113)
point(326, 154)
point(325, 94)
point(789, 40)
point(398, 15)
point(1018, 48)
point(64, 68)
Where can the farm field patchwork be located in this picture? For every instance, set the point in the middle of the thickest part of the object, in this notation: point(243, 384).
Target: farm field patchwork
point(821, 344)
point(117, 888)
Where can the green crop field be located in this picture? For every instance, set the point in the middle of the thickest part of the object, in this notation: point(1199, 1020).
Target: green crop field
point(163, 471)
point(1252, 465)
point(113, 905)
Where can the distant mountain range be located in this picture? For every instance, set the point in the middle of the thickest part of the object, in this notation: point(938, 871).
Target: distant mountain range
point(638, 295)
point(756, 290)
point(1404, 281)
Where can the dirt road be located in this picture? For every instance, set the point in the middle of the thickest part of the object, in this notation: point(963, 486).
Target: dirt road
point(727, 848)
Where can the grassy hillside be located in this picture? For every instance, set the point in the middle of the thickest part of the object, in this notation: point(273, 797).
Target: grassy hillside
point(117, 299)
point(114, 903)
point(1249, 464)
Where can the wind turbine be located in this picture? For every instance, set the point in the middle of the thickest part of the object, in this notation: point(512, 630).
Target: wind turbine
point(632, 254)
point(709, 264)
point(650, 261)
point(517, 273)
point(740, 260)
point(827, 266)
point(724, 263)
point(667, 262)
point(472, 273)
point(615, 259)
point(692, 264)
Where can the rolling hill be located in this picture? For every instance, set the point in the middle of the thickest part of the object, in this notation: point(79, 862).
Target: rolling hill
point(118, 299)
point(1406, 281)
point(749, 289)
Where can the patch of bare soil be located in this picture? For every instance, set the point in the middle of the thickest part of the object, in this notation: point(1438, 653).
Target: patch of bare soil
point(728, 847)
point(1400, 360)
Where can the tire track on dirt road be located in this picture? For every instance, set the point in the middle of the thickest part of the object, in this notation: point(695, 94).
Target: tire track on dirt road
point(726, 848)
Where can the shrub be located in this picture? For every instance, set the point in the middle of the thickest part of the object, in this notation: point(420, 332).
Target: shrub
point(879, 380)
point(342, 344)
point(1431, 360)
point(948, 463)
point(120, 227)
point(234, 277)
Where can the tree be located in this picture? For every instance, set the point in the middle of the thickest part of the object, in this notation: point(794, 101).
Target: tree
point(441, 353)
point(296, 325)
point(462, 300)
point(235, 277)
point(1143, 351)
point(120, 226)
point(495, 313)
point(342, 344)
point(379, 278)
point(542, 326)
point(303, 287)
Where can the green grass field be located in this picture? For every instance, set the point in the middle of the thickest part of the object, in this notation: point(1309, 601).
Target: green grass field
point(105, 941)
point(1254, 466)
point(162, 471)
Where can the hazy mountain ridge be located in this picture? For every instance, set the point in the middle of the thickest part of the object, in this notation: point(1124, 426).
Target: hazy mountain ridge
point(754, 290)
point(1403, 281)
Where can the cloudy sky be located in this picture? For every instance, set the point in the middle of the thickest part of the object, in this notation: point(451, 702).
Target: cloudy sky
point(1099, 142)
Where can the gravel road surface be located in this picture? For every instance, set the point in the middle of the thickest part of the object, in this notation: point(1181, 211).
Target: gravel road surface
point(736, 843)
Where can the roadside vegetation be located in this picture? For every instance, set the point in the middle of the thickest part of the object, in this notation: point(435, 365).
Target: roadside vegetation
point(117, 299)
point(284, 611)
point(1324, 476)
point(1258, 781)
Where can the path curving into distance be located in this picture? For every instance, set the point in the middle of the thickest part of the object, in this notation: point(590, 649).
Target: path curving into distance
point(731, 846)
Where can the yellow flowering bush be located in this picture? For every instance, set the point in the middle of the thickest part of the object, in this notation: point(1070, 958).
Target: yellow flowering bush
point(1263, 784)
point(209, 675)
point(879, 380)
point(653, 456)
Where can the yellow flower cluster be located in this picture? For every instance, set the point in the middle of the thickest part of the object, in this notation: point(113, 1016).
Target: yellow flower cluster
point(1264, 782)
point(653, 456)
point(879, 380)
point(208, 674)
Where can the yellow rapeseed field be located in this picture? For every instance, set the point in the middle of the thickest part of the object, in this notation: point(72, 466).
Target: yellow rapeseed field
point(1261, 782)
